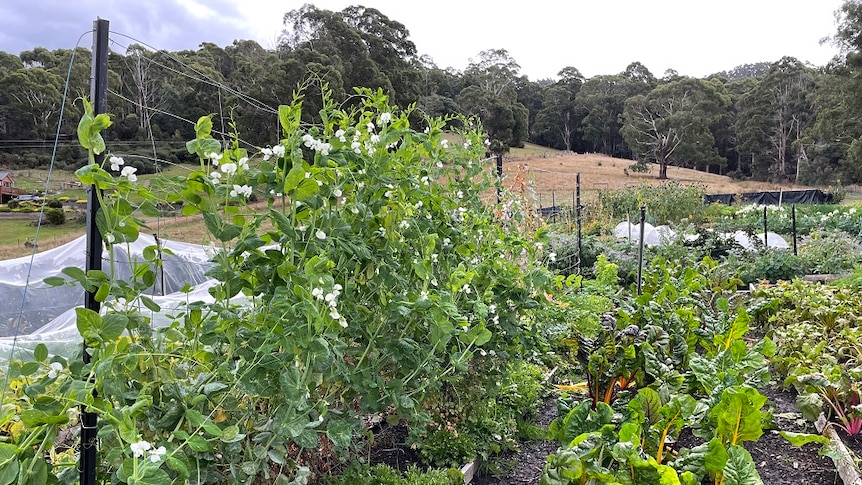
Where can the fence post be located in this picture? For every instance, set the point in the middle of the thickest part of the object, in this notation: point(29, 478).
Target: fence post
point(641, 251)
point(99, 97)
point(765, 230)
point(793, 229)
point(578, 218)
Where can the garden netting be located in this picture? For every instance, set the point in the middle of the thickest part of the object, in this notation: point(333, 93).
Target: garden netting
point(39, 312)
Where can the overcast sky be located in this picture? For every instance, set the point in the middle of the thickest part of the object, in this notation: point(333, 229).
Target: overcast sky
point(694, 37)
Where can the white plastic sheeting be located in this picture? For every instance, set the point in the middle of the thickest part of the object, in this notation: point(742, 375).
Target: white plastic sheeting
point(41, 303)
point(61, 335)
point(653, 236)
point(773, 240)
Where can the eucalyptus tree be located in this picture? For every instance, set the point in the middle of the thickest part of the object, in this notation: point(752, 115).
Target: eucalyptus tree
point(599, 104)
point(672, 124)
point(491, 95)
point(773, 118)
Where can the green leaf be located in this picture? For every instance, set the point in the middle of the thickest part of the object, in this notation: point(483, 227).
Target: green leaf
point(203, 127)
point(89, 323)
point(289, 117)
point(294, 177)
point(203, 146)
point(150, 304)
point(740, 469)
point(54, 281)
point(199, 444)
point(9, 461)
point(113, 325)
point(802, 439)
point(339, 432)
point(40, 353)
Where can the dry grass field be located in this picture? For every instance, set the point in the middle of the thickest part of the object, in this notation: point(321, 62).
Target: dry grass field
point(552, 174)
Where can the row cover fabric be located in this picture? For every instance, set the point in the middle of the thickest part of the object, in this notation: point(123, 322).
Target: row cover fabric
point(812, 196)
point(28, 303)
point(656, 236)
point(61, 334)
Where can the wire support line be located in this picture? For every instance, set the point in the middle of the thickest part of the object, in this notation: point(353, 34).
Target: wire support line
point(178, 117)
point(202, 77)
point(42, 208)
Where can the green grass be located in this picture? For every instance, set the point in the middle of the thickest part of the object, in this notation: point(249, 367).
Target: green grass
point(531, 150)
point(14, 232)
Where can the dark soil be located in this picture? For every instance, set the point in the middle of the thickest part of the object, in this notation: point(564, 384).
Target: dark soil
point(527, 464)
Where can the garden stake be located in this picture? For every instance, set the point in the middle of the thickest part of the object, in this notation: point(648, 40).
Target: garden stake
point(641, 250)
point(765, 229)
point(99, 95)
point(793, 230)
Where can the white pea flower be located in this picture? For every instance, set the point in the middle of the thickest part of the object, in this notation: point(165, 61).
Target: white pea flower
point(460, 194)
point(340, 135)
point(434, 257)
point(129, 172)
point(337, 287)
point(403, 225)
point(552, 257)
point(215, 177)
point(301, 228)
point(238, 190)
point(317, 293)
point(385, 118)
point(439, 164)
point(466, 289)
point(468, 144)
point(370, 126)
point(375, 138)
point(278, 151)
point(444, 143)
point(343, 322)
point(335, 315)
point(116, 163)
point(243, 163)
point(487, 142)
point(337, 192)
point(53, 369)
point(157, 454)
point(110, 238)
point(267, 153)
point(139, 448)
point(320, 235)
point(355, 146)
point(228, 168)
point(215, 158)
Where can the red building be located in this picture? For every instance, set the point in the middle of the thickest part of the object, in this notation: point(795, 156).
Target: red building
point(7, 188)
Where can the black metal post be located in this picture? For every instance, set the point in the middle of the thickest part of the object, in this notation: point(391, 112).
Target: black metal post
point(99, 97)
point(499, 177)
point(578, 218)
point(641, 251)
point(554, 205)
point(793, 222)
point(765, 230)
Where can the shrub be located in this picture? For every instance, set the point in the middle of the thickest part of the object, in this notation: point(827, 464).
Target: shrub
point(829, 252)
point(54, 204)
point(13, 204)
point(55, 216)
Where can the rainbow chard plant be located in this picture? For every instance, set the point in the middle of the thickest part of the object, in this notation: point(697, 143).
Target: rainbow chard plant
point(372, 273)
point(834, 391)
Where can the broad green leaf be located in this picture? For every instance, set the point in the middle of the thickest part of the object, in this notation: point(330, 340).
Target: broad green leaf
point(113, 325)
point(8, 464)
point(740, 469)
point(203, 127)
point(802, 439)
point(339, 431)
point(40, 353)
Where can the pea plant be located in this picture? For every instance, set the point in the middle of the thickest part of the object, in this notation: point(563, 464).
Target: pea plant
point(371, 273)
